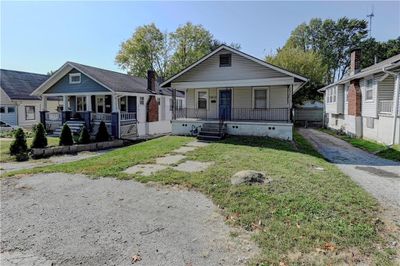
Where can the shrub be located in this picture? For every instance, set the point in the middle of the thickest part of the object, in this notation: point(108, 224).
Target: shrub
point(39, 137)
point(22, 156)
point(66, 136)
point(84, 137)
point(102, 133)
point(19, 144)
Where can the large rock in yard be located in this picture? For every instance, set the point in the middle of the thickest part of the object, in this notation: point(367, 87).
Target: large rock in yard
point(248, 177)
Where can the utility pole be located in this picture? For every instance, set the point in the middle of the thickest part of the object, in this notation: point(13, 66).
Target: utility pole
point(370, 16)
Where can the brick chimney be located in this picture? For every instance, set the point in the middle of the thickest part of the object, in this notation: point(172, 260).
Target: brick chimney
point(151, 81)
point(355, 61)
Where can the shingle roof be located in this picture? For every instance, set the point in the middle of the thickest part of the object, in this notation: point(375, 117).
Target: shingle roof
point(19, 85)
point(120, 82)
point(374, 69)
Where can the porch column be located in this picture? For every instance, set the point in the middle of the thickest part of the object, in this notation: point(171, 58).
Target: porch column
point(66, 114)
point(396, 95)
point(87, 114)
point(173, 104)
point(115, 117)
point(43, 111)
point(44, 103)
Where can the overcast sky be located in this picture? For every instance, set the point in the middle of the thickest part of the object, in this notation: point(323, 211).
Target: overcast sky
point(41, 36)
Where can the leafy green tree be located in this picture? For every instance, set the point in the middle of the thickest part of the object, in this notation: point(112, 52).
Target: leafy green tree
point(66, 136)
point(146, 49)
point(374, 50)
point(84, 137)
point(39, 138)
point(190, 42)
point(333, 40)
point(102, 133)
point(306, 63)
point(19, 144)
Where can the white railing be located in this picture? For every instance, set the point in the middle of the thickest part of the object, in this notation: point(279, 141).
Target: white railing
point(386, 107)
point(128, 116)
point(53, 116)
point(106, 117)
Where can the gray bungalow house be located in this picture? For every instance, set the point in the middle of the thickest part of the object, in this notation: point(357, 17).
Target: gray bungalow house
point(231, 92)
point(17, 106)
point(131, 107)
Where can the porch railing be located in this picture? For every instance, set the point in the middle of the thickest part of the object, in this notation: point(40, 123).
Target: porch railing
point(386, 107)
point(237, 114)
point(106, 117)
point(53, 116)
point(128, 116)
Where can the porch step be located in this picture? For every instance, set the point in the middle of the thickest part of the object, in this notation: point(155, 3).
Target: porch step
point(212, 131)
point(74, 125)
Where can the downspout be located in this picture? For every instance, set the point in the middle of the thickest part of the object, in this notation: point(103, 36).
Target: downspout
point(395, 102)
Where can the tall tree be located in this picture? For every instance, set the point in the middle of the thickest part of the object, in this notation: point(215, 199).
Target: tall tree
point(332, 39)
point(146, 49)
point(190, 42)
point(374, 51)
point(306, 63)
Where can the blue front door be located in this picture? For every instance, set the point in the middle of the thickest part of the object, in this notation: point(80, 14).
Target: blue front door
point(225, 99)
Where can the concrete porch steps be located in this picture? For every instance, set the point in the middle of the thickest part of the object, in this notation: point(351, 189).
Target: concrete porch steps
point(74, 125)
point(212, 131)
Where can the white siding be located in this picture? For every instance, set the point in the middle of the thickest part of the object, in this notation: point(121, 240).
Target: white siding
point(242, 68)
point(386, 88)
point(242, 97)
point(4, 99)
point(278, 97)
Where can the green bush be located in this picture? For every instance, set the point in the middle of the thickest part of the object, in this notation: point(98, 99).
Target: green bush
point(84, 137)
point(66, 136)
point(22, 156)
point(102, 133)
point(19, 144)
point(39, 137)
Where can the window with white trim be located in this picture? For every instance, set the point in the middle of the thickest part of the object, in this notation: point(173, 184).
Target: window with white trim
point(30, 112)
point(225, 60)
point(260, 98)
point(80, 103)
point(123, 104)
point(141, 100)
point(10, 109)
point(331, 95)
point(346, 93)
point(202, 99)
point(369, 90)
point(74, 78)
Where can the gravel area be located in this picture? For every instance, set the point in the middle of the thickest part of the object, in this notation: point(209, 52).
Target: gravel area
point(378, 176)
point(71, 219)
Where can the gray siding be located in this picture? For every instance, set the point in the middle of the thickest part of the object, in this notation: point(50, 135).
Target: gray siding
point(241, 68)
point(86, 85)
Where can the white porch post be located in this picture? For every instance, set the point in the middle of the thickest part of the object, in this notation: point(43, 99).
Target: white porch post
point(88, 103)
point(396, 106)
point(115, 107)
point(65, 103)
point(44, 103)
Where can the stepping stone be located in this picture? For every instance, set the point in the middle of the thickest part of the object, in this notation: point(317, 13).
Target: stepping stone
point(170, 159)
point(192, 166)
point(184, 149)
point(197, 144)
point(145, 169)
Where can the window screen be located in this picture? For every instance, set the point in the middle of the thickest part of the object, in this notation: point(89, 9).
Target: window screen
point(202, 100)
point(225, 60)
point(260, 99)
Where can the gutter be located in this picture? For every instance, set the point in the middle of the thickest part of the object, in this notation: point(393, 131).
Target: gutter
point(395, 101)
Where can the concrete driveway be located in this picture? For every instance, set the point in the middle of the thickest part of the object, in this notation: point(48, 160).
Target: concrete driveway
point(378, 176)
point(65, 219)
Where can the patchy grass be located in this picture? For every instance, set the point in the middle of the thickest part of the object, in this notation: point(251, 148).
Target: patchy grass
point(5, 148)
point(392, 153)
point(304, 216)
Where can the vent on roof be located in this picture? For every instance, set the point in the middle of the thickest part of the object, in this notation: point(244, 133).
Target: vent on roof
point(225, 60)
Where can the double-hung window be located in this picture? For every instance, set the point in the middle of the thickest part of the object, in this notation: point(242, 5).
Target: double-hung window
point(369, 90)
point(260, 98)
point(29, 112)
point(80, 103)
point(202, 99)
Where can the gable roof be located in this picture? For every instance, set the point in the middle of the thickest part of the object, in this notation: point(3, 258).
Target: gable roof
point(167, 83)
point(113, 81)
point(19, 85)
point(374, 69)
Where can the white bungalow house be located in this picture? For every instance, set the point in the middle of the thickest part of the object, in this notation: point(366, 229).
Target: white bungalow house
point(364, 103)
point(17, 106)
point(131, 107)
point(228, 91)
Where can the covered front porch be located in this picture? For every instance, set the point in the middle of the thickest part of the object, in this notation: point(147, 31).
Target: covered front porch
point(116, 111)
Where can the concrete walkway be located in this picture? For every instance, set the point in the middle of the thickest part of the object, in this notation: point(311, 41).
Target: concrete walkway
point(378, 176)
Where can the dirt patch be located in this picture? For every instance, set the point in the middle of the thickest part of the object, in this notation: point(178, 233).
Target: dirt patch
point(71, 219)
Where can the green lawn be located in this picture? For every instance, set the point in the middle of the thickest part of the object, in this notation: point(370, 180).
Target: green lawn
point(5, 146)
point(304, 216)
point(379, 149)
